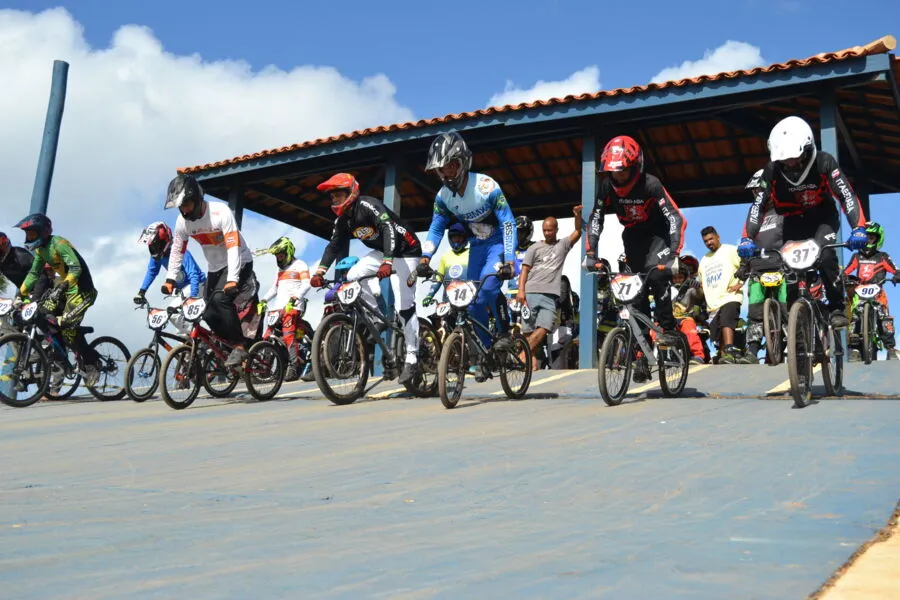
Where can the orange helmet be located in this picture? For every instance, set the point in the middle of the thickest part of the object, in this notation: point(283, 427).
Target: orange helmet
point(341, 181)
point(621, 153)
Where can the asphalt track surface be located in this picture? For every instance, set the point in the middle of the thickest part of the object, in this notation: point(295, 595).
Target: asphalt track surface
point(726, 492)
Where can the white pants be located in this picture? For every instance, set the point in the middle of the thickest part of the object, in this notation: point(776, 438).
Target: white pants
point(404, 295)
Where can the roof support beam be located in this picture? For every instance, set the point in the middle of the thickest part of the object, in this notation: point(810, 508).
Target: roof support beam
point(366, 188)
point(587, 288)
point(848, 141)
point(236, 204)
point(306, 207)
point(892, 84)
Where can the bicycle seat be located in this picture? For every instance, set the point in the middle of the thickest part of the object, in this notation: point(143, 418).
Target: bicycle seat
point(85, 330)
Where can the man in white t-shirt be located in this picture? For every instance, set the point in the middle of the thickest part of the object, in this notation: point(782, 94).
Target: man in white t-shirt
point(722, 291)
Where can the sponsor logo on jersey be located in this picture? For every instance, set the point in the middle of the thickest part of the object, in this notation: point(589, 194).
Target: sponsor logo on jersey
point(363, 233)
point(455, 271)
point(486, 185)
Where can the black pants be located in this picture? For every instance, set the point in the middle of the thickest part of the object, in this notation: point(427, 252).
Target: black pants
point(821, 224)
point(644, 253)
point(221, 311)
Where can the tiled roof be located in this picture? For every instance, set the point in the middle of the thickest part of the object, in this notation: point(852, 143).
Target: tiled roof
point(879, 46)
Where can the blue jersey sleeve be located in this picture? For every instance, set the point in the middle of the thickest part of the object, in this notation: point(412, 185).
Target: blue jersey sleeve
point(193, 274)
point(152, 272)
point(438, 226)
point(507, 223)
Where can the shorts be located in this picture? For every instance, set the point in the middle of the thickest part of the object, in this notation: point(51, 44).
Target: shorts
point(726, 316)
point(543, 309)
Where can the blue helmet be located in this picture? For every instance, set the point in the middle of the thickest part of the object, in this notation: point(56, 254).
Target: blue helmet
point(457, 230)
point(41, 225)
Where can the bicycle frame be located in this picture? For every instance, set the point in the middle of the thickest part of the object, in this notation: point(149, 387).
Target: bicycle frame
point(467, 325)
point(632, 317)
point(159, 336)
point(375, 324)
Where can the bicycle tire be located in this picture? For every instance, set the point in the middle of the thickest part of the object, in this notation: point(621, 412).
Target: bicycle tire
point(43, 371)
point(616, 345)
point(868, 344)
point(322, 363)
point(138, 357)
point(773, 330)
point(518, 344)
point(453, 356)
point(187, 373)
point(265, 364)
point(801, 351)
point(681, 350)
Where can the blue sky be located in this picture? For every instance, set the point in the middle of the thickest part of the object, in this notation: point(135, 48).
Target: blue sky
point(373, 63)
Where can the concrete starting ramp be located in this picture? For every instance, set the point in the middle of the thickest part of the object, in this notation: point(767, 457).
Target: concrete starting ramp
point(724, 493)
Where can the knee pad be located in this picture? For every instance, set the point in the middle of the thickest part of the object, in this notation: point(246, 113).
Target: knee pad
point(888, 325)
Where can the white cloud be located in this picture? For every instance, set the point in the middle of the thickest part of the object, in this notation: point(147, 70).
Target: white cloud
point(134, 113)
point(586, 80)
point(730, 56)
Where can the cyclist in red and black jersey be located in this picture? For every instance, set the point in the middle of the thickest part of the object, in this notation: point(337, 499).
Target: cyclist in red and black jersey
point(802, 183)
point(654, 226)
point(871, 265)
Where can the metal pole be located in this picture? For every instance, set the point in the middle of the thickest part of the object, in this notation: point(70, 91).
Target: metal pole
point(40, 195)
point(393, 202)
point(47, 160)
point(828, 133)
point(587, 327)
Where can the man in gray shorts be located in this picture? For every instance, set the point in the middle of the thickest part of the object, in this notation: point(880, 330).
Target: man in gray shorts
point(540, 281)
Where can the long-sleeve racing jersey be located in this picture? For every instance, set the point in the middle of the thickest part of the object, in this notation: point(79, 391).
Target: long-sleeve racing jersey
point(648, 208)
point(871, 269)
point(377, 227)
point(218, 234)
point(190, 273)
point(291, 282)
point(483, 211)
point(823, 182)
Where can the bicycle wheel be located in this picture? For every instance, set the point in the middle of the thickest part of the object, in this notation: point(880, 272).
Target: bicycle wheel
point(24, 366)
point(452, 368)
point(772, 330)
point(425, 383)
point(71, 378)
point(114, 356)
point(217, 379)
point(673, 367)
point(515, 367)
point(800, 354)
point(340, 359)
point(832, 361)
point(868, 328)
point(142, 375)
point(179, 380)
point(614, 368)
point(265, 369)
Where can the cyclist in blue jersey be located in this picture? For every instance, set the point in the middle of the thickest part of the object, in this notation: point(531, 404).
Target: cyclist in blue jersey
point(158, 238)
point(477, 201)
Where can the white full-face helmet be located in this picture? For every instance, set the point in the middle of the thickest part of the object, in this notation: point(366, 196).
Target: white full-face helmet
point(792, 148)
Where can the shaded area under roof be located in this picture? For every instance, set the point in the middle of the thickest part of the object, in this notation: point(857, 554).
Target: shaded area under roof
point(703, 137)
